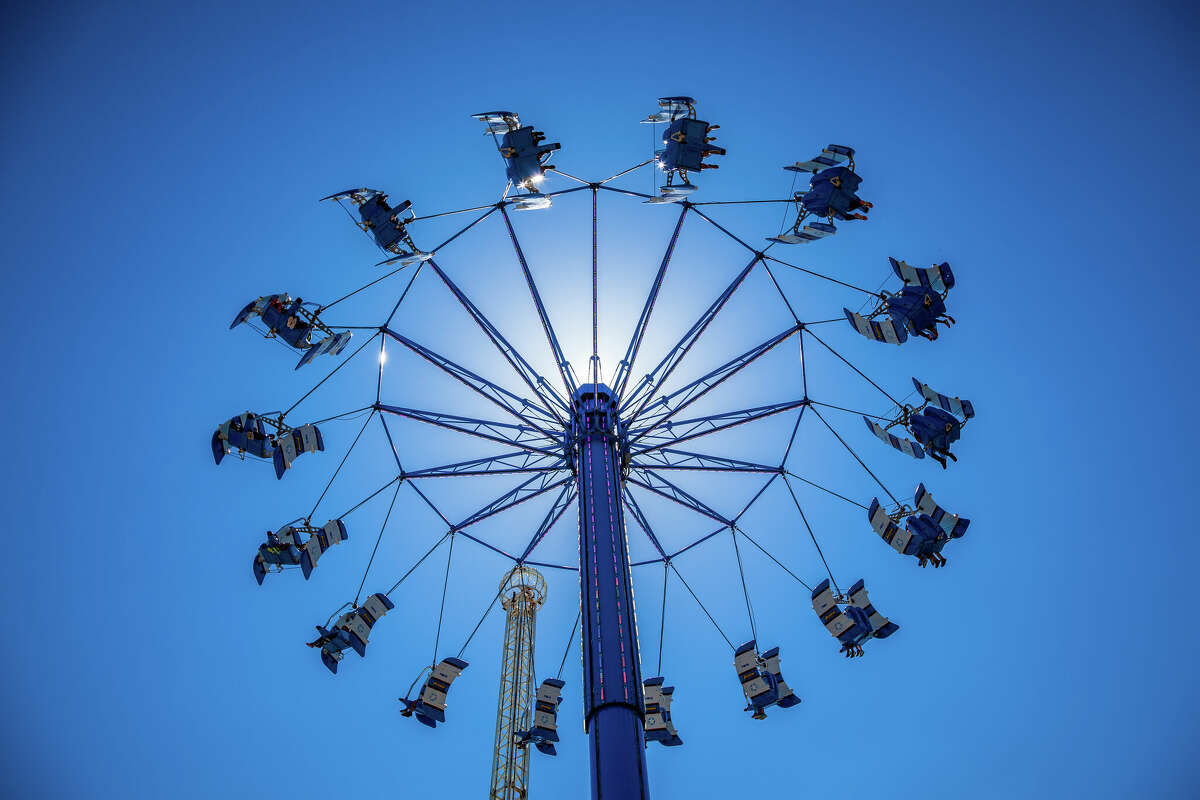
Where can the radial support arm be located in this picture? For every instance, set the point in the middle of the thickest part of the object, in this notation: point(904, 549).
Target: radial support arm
point(653, 482)
point(505, 464)
point(527, 490)
point(564, 368)
point(667, 406)
point(550, 399)
point(561, 503)
point(642, 522)
point(687, 429)
point(652, 383)
point(519, 407)
point(626, 366)
point(522, 436)
point(670, 458)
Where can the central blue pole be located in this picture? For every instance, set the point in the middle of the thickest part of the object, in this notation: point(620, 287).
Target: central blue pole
point(614, 715)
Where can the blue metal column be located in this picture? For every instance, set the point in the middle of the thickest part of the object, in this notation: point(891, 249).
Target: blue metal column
point(612, 675)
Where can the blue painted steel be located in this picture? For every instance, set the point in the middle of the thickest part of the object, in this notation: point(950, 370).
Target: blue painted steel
point(614, 715)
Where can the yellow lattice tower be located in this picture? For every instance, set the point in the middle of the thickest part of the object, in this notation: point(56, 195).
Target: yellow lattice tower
point(523, 591)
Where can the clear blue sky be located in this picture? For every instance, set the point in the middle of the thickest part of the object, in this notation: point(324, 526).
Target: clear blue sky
point(161, 168)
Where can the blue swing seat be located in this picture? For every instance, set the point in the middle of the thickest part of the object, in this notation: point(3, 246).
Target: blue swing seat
point(245, 432)
point(916, 309)
point(282, 549)
point(291, 444)
point(544, 732)
point(430, 705)
point(524, 155)
point(852, 623)
point(831, 156)
point(936, 429)
point(687, 146)
point(833, 192)
point(351, 631)
point(762, 679)
point(659, 725)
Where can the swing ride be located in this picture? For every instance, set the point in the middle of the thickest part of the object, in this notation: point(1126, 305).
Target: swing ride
point(599, 444)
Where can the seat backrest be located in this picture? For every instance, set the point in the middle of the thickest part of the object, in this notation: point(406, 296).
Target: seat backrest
point(887, 529)
point(954, 525)
point(438, 683)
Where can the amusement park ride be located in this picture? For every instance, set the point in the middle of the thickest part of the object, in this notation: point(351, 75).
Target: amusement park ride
point(596, 445)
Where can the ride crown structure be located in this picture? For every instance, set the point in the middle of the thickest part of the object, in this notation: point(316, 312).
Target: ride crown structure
point(601, 444)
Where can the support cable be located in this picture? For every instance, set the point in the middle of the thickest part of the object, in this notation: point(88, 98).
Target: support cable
point(366, 422)
point(437, 639)
point(428, 553)
point(492, 605)
point(327, 377)
point(378, 539)
point(773, 558)
point(862, 374)
point(828, 491)
point(850, 450)
point(570, 640)
point(403, 295)
point(812, 536)
point(356, 291)
point(662, 619)
point(369, 497)
point(822, 276)
point(702, 608)
point(627, 171)
point(742, 574)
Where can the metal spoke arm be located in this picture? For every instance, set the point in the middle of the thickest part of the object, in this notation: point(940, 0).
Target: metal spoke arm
point(522, 436)
point(508, 463)
point(635, 509)
point(653, 482)
point(667, 406)
point(527, 490)
point(519, 407)
point(537, 384)
point(561, 503)
point(652, 383)
point(670, 458)
point(639, 332)
point(685, 430)
point(555, 348)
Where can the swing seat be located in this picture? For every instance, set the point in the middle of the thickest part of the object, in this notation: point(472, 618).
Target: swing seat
point(883, 329)
point(809, 233)
point(333, 533)
point(544, 732)
point(960, 408)
point(281, 549)
point(658, 699)
point(244, 432)
point(906, 446)
point(531, 202)
point(333, 345)
point(916, 309)
point(687, 145)
point(304, 439)
point(672, 194)
point(523, 150)
point(954, 525)
point(938, 278)
point(935, 428)
point(831, 156)
point(352, 630)
point(670, 109)
point(430, 705)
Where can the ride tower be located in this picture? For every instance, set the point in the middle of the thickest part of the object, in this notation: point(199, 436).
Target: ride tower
point(614, 712)
point(522, 592)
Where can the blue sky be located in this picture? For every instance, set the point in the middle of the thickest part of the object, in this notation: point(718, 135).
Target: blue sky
point(162, 168)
